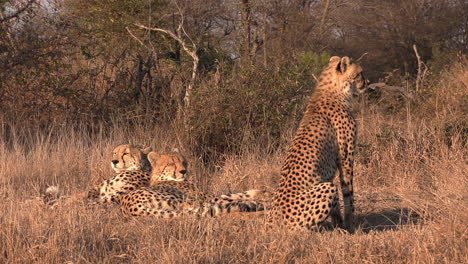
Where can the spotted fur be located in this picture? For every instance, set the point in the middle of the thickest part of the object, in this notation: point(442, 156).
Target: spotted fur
point(324, 144)
point(170, 198)
point(133, 172)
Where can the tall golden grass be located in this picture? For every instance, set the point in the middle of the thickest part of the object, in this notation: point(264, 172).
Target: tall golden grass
point(410, 181)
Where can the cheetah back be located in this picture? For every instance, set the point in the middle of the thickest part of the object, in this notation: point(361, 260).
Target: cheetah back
point(324, 143)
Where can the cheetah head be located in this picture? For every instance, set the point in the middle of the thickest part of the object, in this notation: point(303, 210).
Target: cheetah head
point(167, 167)
point(128, 157)
point(348, 75)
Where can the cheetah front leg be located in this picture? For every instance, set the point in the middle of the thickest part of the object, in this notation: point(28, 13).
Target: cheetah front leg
point(335, 213)
point(346, 180)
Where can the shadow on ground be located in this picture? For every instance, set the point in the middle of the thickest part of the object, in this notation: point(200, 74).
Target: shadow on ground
point(387, 219)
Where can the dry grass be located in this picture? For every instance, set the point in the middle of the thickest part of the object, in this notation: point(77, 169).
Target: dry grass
point(411, 182)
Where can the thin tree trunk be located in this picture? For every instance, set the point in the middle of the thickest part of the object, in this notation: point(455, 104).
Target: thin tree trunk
point(245, 13)
point(324, 16)
point(265, 25)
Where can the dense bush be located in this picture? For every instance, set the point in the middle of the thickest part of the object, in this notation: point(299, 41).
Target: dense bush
point(86, 61)
point(251, 102)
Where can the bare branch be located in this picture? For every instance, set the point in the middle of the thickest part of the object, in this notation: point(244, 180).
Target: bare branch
point(246, 25)
point(192, 52)
point(324, 16)
point(315, 77)
point(374, 86)
point(265, 26)
point(257, 43)
point(136, 38)
point(191, 40)
point(181, 23)
point(421, 72)
point(362, 56)
point(390, 88)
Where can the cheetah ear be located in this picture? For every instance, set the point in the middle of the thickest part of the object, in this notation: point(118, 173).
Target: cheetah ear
point(343, 65)
point(334, 58)
point(146, 150)
point(153, 157)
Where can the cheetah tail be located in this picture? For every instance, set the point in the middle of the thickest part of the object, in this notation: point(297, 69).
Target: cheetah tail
point(217, 209)
point(52, 196)
point(249, 195)
point(206, 210)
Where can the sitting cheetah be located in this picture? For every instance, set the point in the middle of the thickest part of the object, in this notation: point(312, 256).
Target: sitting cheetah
point(324, 143)
point(169, 198)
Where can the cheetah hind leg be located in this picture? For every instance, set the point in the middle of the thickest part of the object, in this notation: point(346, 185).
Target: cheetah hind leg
point(322, 202)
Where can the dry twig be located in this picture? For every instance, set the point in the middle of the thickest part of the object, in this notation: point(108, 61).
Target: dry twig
point(421, 72)
point(192, 52)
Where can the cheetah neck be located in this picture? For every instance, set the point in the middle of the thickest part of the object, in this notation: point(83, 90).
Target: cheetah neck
point(328, 101)
point(146, 167)
point(145, 170)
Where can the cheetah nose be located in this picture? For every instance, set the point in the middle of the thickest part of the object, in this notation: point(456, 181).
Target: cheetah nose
point(115, 162)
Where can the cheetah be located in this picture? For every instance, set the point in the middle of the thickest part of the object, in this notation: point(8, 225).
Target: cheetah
point(133, 171)
point(170, 198)
point(169, 171)
point(324, 144)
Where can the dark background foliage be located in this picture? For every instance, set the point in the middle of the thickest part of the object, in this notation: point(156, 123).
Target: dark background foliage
point(69, 62)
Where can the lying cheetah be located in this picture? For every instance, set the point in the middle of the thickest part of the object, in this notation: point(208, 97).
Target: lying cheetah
point(167, 199)
point(324, 143)
point(134, 172)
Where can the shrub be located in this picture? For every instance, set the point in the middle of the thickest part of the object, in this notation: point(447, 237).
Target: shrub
point(250, 103)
